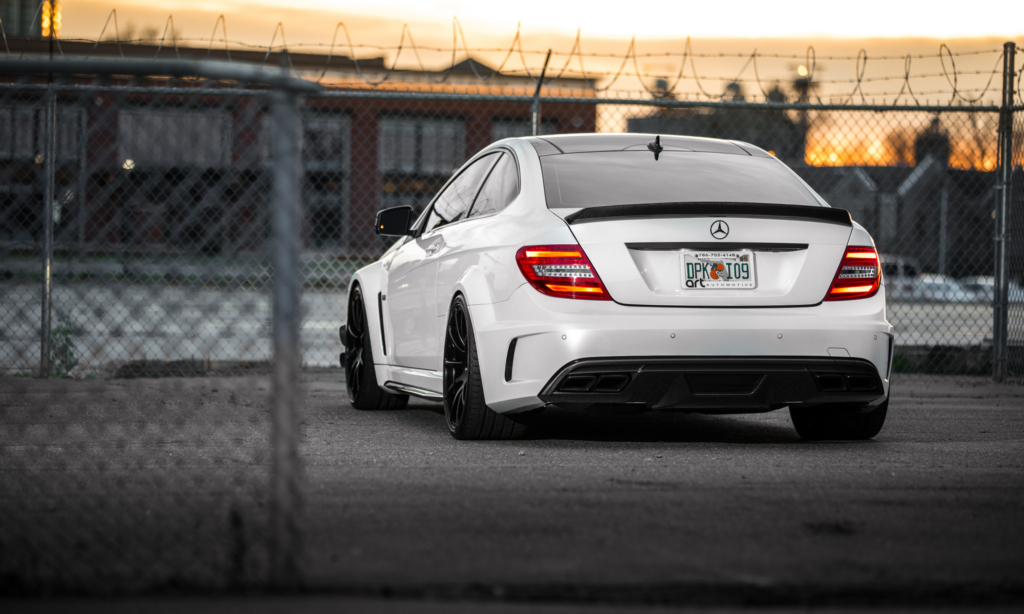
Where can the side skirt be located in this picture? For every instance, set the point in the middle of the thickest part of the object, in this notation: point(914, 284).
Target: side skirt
point(421, 383)
point(422, 393)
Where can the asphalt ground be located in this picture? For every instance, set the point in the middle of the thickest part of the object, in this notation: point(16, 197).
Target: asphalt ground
point(158, 487)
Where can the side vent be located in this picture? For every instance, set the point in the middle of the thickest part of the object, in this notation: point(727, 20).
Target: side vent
point(380, 313)
point(508, 359)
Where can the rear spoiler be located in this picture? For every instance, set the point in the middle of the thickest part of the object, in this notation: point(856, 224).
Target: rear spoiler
point(798, 212)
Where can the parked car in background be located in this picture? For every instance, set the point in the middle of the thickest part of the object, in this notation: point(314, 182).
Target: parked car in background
point(901, 277)
point(984, 289)
point(943, 289)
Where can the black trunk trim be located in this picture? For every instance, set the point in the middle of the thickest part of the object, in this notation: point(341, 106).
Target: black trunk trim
point(803, 212)
point(719, 246)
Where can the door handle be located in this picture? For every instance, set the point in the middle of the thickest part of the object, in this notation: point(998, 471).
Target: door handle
point(435, 247)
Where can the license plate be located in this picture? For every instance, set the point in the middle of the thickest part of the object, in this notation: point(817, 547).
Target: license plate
point(733, 270)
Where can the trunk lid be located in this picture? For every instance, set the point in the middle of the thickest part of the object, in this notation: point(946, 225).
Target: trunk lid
point(793, 254)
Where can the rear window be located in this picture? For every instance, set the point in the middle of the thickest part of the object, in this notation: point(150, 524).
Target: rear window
point(603, 179)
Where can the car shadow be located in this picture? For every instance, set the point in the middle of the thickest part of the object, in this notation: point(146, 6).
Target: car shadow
point(661, 427)
point(559, 424)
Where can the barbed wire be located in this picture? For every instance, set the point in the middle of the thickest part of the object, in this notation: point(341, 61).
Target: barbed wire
point(598, 80)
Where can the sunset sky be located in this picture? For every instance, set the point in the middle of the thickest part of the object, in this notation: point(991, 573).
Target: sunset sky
point(647, 19)
point(886, 31)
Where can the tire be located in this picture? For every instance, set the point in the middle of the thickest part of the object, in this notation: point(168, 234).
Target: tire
point(824, 422)
point(360, 378)
point(465, 409)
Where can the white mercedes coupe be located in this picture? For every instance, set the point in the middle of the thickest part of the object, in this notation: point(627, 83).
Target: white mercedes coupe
point(623, 272)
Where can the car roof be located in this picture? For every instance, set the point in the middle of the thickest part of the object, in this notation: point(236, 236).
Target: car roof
point(589, 143)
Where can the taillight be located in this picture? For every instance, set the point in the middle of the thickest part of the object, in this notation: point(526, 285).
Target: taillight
point(561, 270)
point(859, 275)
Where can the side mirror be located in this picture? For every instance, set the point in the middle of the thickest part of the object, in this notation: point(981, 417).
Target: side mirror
point(394, 221)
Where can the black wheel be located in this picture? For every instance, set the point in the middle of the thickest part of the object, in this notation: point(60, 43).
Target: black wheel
point(464, 406)
point(824, 422)
point(363, 391)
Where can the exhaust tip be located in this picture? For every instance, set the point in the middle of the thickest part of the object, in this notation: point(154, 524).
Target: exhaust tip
point(611, 382)
point(831, 382)
point(860, 383)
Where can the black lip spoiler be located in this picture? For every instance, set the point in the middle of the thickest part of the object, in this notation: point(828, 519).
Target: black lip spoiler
point(798, 212)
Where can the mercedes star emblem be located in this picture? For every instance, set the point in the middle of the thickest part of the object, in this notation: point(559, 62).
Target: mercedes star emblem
point(719, 230)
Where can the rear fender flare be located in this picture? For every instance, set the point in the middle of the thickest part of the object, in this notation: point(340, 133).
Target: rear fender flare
point(480, 298)
point(474, 286)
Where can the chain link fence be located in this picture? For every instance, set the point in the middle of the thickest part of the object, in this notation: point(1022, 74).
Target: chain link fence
point(1015, 246)
point(179, 196)
point(170, 249)
point(161, 209)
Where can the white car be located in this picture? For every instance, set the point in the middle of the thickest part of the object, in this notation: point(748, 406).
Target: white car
point(984, 289)
point(623, 271)
point(940, 288)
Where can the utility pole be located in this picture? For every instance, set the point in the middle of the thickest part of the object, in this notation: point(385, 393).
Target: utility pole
point(535, 106)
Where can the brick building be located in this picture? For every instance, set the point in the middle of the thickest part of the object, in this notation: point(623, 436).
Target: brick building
point(189, 174)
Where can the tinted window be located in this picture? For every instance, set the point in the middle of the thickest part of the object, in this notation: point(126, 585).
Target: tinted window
point(501, 188)
point(453, 202)
point(634, 177)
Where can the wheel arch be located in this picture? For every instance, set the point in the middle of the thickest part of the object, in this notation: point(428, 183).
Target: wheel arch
point(479, 299)
point(369, 282)
point(474, 286)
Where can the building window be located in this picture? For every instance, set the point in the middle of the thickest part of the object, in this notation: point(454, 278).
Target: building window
point(173, 138)
point(417, 156)
point(22, 132)
point(17, 125)
point(22, 146)
point(325, 154)
point(325, 140)
point(422, 146)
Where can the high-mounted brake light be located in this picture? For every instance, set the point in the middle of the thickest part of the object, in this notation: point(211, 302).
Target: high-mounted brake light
point(859, 275)
point(561, 270)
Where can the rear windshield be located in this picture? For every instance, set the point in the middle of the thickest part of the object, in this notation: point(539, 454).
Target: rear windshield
point(608, 178)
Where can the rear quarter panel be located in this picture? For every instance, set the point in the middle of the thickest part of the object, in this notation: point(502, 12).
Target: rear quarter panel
point(479, 257)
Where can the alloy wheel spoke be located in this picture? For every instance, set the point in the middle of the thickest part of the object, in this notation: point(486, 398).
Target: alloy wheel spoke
point(456, 366)
point(355, 371)
point(355, 317)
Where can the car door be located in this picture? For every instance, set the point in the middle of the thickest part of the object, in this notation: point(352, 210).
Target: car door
point(410, 285)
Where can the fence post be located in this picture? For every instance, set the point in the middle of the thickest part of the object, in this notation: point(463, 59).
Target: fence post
point(1000, 323)
point(49, 167)
point(535, 105)
point(285, 502)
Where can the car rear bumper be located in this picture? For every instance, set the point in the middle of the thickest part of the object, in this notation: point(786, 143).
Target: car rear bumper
point(550, 334)
point(713, 384)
